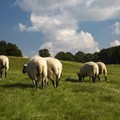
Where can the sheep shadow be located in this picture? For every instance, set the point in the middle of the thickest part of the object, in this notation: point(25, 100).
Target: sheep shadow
point(17, 85)
point(68, 79)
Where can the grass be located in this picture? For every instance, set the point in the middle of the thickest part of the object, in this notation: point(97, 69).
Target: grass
point(72, 100)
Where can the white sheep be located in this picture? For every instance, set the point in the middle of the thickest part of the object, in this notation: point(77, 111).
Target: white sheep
point(35, 68)
point(102, 70)
point(89, 69)
point(4, 65)
point(54, 68)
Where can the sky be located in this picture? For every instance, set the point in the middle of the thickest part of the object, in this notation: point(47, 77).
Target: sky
point(60, 25)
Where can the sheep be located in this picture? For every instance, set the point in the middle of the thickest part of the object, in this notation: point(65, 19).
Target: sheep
point(54, 68)
point(102, 70)
point(88, 69)
point(4, 65)
point(35, 68)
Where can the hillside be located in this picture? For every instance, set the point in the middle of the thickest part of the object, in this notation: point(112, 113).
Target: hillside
point(72, 100)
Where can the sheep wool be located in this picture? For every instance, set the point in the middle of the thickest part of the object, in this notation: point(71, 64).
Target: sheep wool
point(35, 68)
point(54, 68)
point(102, 70)
point(88, 69)
point(4, 65)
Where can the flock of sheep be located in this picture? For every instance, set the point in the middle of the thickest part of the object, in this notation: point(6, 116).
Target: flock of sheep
point(93, 70)
point(48, 67)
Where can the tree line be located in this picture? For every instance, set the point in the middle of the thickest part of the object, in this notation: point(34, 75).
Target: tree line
point(109, 56)
point(9, 49)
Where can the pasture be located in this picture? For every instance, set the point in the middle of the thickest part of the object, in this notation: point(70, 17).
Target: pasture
point(72, 100)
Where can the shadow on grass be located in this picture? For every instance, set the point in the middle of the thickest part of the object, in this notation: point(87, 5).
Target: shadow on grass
point(17, 85)
point(71, 80)
point(75, 80)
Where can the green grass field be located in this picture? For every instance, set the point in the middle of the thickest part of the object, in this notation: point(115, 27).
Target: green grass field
point(72, 100)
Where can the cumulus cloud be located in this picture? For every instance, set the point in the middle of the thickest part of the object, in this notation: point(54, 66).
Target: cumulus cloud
point(116, 28)
point(58, 20)
point(22, 27)
point(69, 40)
point(115, 43)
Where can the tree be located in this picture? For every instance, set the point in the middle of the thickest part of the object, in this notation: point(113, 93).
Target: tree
point(60, 55)
point(88, 57)
point(96, 57)
point(13, 50)
point(110, 55)
point(44, 53)
point(3, 48)
point(104, 55)
point(79, 56)
point(65, 56)
point(9, 49)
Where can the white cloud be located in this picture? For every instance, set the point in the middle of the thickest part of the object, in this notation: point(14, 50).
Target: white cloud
point(22, 27)
point(116, 28)
point(79, 9)
point(69, 40)
point(58, 20)
point(115, 43)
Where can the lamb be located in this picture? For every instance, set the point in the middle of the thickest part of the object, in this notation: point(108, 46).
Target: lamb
point(4, 65)
point(35, 68)
point(89, 69)
point(102, 70)
point(54, 68)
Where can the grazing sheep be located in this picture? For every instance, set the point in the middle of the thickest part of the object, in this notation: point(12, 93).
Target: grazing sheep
point(88, 69)
point(4, 65)
point(102, 70)
point(54, 68)
point(35, 68)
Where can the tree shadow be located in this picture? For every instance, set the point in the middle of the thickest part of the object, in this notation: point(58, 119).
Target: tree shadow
point(17, 85)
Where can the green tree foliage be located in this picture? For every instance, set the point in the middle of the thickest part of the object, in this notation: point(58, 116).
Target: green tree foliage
point(60, 55)
point(3, 48)
point(65, 56)
point(9, 49)
point(69, 56)
point(79, 56)
point(96, 57)
point(44, 53)
point(88, 57)
point(108, 56)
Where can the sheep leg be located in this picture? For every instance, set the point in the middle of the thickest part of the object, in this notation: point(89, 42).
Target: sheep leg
point(93, 78)
point(56, 83)
point(57, 79)
point(52, 82)
point(105, 75)
point(42, 84)
point(98, 78)
point(1, 74)
point(36, 84)
point(46, 82)
point(105, 78)
point(5, 73)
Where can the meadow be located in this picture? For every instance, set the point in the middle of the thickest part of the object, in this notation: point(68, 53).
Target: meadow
point(72, 100)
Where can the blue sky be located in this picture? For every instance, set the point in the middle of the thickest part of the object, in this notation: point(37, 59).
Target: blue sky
point(60, 25)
